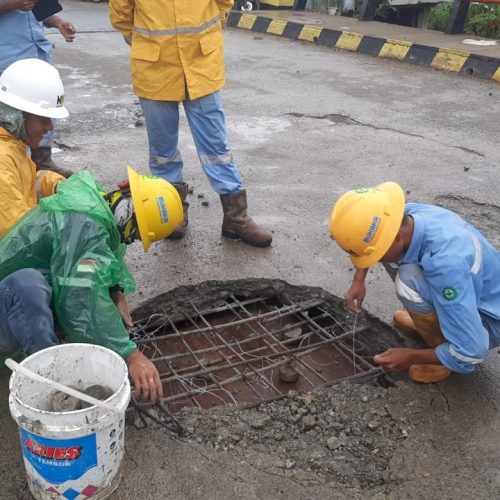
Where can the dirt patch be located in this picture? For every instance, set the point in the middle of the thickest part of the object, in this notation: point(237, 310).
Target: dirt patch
point(346, 433)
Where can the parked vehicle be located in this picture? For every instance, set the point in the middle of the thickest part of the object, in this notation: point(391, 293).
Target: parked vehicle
point(246, 5)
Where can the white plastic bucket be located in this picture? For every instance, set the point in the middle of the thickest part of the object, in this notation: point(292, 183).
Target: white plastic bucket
point(76, 454)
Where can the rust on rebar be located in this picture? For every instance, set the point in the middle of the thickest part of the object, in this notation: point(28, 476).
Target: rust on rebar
point(230, 354)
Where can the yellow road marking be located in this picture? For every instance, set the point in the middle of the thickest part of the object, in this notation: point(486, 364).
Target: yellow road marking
point(349, 41)
point(247, 21)
point(277, 26)
point(450, 60)
point(310, 33)
point(395, 49)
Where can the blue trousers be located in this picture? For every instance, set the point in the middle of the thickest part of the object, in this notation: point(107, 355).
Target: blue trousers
point(413, 290)
point(26, 320)
point(208, 128)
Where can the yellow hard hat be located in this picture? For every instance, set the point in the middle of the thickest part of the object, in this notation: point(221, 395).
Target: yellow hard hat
point(157, 206)
point(365, 222)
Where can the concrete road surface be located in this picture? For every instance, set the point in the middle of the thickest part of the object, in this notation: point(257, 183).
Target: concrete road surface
point(305, 124)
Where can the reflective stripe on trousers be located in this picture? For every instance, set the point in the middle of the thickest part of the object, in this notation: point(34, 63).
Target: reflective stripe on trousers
point(208, 128)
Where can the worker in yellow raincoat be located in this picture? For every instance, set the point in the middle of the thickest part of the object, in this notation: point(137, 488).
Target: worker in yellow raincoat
point(177, 56)
point(31, 94)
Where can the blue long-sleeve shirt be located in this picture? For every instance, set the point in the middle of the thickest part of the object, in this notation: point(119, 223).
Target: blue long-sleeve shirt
point(22, 37)
point(463, 272)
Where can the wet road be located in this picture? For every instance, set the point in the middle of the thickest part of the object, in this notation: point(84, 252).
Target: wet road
point(305, 124)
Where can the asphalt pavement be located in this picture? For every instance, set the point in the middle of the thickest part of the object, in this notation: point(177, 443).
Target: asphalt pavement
point(305, 124)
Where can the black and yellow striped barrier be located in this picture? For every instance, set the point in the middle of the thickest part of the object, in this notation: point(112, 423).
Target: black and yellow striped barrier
point(413, 53)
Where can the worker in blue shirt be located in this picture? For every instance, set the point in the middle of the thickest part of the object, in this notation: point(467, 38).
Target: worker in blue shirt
point(446, 275)
point(22, 37)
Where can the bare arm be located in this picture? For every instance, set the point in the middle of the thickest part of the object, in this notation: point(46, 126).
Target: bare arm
point(356, 293)
point(65, 27)
point(398, 359)
point(7, 6)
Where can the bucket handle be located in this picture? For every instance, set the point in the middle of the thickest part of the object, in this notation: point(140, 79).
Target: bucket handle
point(16, 367)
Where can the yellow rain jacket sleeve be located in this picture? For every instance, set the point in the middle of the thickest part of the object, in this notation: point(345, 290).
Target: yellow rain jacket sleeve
point(18, 176)
point(176, 45)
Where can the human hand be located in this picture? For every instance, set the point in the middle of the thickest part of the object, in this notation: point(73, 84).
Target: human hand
point(145, 377)
point(25, 5)
point(121, 304)
point(395, 359)
point(355, 296)
point(67, 30)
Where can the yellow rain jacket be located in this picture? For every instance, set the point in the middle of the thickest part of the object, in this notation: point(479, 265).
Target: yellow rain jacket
point(20, 183)
point(176, 45)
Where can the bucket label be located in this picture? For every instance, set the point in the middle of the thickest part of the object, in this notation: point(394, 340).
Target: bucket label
point(58, 460)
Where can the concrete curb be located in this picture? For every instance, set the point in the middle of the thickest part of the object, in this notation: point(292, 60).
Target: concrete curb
point(413, 53)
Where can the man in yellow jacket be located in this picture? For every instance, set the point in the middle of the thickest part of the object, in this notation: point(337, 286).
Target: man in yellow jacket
point(31, 93)
point(177, 56)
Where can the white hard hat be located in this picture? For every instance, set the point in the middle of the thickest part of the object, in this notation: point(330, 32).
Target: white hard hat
point(33, 86)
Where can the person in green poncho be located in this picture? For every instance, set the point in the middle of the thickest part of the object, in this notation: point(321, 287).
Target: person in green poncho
point(65, 260)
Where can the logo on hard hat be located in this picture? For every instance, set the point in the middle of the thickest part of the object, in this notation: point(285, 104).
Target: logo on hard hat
point(60, 101)
point(372, 229)
point(162, 208)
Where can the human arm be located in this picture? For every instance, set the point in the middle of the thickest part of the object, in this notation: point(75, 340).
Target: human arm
point(83, 268)
point(7, 6)
point(13, 201)
point(145, 377)
point(120, 302)
point(455, 302)
point(398, 359)
point(65, 27)
point(357, 291)
point(224, 7)
point(46, 182)
point(121, 16)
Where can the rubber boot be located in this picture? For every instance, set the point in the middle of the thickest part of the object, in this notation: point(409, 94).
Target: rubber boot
point(43, 161)
point(237, 224)
point(402, 320)
point(428, 327)
point(180, 231)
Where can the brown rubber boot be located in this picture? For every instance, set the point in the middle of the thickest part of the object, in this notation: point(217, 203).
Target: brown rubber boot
point(237, 224)
point(42, 158)
point(428, 374)
point(402, 320)
point(180, 231)
point(428, 327)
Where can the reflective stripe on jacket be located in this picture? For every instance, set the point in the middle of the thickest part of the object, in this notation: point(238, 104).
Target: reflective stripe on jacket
point(463, 272)
point(176, 45)
point(17, 181)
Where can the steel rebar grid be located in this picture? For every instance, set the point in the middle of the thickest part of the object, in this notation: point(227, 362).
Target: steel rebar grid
point(249, 362)
point(248, 313)
point(260, 337)
point(283, 312)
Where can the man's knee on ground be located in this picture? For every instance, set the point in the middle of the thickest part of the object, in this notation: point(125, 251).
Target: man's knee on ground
point(29, 284)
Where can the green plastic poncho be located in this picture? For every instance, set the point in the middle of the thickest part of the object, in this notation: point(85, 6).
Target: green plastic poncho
point(72, 239)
